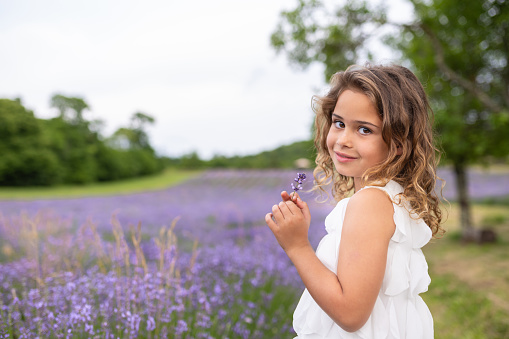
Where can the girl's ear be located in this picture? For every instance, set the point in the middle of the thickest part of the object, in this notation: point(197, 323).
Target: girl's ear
point(399, 150)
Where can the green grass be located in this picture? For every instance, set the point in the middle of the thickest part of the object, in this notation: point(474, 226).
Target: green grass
point(469, 292)
point(163, 180)
point(462, 312)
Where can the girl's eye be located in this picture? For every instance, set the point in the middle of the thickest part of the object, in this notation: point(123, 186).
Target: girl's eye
point(364, 130)
point(339, 124)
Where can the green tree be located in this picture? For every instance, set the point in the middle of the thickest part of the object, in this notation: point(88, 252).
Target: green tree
point(133, 142)
point(312, 33)
point(139, 122)
point(68, 148)
point(24, 145)
point(460, 51)
point(76, 147)
point(69, 105)
point(191, 161)
point(135, 136)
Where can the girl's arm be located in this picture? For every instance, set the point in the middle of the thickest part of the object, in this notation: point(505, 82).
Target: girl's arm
point(348, 297)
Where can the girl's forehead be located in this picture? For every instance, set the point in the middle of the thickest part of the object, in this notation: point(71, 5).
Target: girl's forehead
point(356, 106)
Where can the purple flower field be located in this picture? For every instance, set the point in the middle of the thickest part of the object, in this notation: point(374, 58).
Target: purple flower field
point(481, 185)
point(69, 269)
point(202, 265)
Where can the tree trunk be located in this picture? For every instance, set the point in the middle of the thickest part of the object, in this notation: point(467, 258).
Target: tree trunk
point(468, 233)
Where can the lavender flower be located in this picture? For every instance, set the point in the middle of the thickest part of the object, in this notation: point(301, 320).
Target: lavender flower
point(88, 277)
point(299, 180)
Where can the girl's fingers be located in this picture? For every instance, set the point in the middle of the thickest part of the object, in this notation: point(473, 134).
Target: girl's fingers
point(285, 196)
point(295, 197)
point(276, 211)
point(293, 208)
point(283, 206)
point(299, 202)
point(299, 206)
point(270, 222)
point(304, 208)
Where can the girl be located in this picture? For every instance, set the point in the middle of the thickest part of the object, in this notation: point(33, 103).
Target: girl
point(373, 136)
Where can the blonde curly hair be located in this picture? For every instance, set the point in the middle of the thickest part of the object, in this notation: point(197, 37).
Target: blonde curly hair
point(406, 116)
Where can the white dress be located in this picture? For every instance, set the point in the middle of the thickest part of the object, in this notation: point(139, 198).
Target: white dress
point(399, 311)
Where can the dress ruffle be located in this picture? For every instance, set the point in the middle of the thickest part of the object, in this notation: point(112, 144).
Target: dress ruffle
point(399, 311)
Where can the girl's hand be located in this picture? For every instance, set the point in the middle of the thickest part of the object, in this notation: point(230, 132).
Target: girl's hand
point(289, 196)
point(289, 221)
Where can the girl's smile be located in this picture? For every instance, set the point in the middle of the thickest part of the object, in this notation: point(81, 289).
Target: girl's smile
point(341, 157)
point(355, 140)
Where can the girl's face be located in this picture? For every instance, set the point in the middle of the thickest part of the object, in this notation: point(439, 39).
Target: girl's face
point(355, 140)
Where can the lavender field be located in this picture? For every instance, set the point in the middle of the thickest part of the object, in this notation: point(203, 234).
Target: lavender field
point(192, 261)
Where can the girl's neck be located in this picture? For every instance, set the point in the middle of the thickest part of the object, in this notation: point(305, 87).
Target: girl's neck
point(357, 184)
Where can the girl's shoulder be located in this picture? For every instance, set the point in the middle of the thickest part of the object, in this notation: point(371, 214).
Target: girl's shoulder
point(409, 226)
point(372, 208)
point(391, 188)
point(386, 195)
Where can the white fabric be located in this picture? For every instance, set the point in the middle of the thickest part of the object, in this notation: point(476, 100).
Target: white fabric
point(399, 311)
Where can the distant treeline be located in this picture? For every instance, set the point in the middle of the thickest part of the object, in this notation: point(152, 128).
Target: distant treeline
point(69, 149)
point(281, 157)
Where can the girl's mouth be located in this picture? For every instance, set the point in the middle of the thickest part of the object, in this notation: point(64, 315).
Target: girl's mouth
point(341, 157)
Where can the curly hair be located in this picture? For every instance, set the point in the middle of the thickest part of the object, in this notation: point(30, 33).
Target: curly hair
point(406, 115)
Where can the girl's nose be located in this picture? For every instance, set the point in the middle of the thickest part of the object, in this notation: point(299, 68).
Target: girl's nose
point(344, 138)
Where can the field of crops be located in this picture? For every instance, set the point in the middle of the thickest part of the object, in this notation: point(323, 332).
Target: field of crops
point(192, 261)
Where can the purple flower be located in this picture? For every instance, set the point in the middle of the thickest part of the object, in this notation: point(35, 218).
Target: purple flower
point(151, 324)
point(181, 327)
point(299, 180)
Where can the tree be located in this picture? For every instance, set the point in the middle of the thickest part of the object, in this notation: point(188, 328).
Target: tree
point(76, 147)
point(133, 141)
point(139, 122)
point(65, 104)
point(24, 144)
point(312, 33)
point(459, 51)
point(134, 136)
point(463, 51)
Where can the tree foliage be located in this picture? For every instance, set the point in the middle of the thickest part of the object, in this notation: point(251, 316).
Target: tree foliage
point(463, 51)
point(336, 38)
point(26, 159)
point(69, 108)
point(282, 157)
point(135, 136)
point(66, 149)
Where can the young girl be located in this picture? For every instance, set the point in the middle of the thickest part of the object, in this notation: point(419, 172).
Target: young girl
point(373, 136)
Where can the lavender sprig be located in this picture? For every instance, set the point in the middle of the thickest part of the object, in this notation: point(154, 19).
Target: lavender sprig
point(299, 180)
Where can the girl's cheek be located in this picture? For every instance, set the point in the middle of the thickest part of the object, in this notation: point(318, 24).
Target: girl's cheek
point(330, 140)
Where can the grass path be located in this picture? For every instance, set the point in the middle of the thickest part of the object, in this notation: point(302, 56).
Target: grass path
point(469, 292)
point(163, 180)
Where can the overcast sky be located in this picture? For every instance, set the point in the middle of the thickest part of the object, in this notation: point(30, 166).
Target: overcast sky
point(203, 69)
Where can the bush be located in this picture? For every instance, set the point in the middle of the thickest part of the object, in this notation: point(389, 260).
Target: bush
point(26, 157)
point(47, 152)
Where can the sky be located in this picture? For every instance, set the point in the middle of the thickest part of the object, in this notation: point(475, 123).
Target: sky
point(203, 69)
